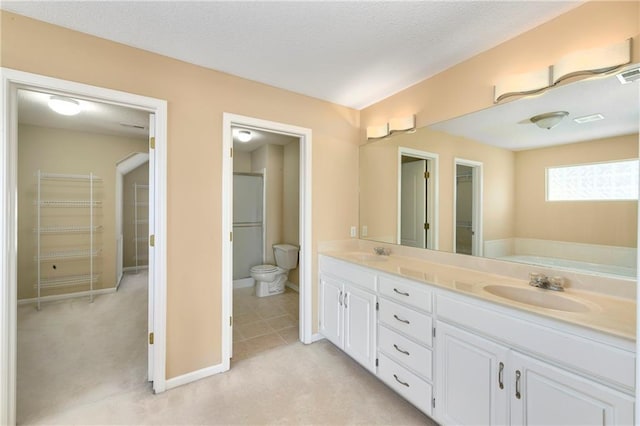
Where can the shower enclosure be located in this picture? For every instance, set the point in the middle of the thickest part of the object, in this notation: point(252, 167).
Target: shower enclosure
point(248, 226)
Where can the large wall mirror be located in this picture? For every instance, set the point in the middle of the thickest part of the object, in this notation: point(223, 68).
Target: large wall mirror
point(494, 183)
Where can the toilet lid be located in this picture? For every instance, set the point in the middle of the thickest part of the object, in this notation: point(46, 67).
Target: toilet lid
point(264, 268)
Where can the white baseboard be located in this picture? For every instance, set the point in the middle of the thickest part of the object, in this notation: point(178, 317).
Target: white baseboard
point(243, 283)
point(133, 268)
point(67, 296)
point(316, 337)
point(293, 286)
point(194, 375)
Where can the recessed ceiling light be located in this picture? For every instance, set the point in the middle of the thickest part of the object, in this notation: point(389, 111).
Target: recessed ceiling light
point(64, 106)
point(244, 135)
point(588, 118)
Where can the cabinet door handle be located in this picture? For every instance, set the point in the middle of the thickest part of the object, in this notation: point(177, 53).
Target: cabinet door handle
point(400, 381)
point(501, 375)
point(400, 292)
point(518, 394)
point(401, 320)
point(345, 299)
point(340, 298)
point(402, 351)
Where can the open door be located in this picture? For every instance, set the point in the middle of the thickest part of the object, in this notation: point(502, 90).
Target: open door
point(468, 207)
point(151, 242)
point(413, 203)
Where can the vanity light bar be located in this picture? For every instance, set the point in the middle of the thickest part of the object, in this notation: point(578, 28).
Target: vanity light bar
point(589, 118)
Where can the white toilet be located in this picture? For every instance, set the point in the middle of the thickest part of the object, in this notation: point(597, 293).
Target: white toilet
point(272, 279)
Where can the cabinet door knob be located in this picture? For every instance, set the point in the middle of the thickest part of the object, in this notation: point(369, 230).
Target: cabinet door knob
point(401, 320)
point(518, 394)
point(501, 375)
point(400, 381)
point(400, 292)
point(345, 299)
point(340, 298)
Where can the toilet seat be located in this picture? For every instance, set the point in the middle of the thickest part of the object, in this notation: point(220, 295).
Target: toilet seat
point(264, 269)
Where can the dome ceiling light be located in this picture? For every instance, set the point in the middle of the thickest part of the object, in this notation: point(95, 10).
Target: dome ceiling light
point(64, 106)
point(548, 120)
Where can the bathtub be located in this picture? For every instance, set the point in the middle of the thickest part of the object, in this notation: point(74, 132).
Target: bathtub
point(574, 265)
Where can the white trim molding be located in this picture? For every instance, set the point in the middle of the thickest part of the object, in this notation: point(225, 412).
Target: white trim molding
point(12, 80)
point(305, 264)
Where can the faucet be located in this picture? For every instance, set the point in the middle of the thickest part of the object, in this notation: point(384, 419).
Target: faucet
point(382, 251)
point(542, 281)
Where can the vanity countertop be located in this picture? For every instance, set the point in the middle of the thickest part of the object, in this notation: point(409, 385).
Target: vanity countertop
point(597, 311)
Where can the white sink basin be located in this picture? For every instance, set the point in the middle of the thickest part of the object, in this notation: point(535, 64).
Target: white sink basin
point(547, 299)
point(367, 257)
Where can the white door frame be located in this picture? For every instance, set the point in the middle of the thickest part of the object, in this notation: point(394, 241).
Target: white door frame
point(12, 80)
point(477, 239)
point(306, 296)
point(432, 192)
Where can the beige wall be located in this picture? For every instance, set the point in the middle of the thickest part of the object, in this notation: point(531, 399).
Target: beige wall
point(197, 97)
point(241, 162)
point(291, 200)
point(468, 86)
point(63, 151)
point(379, 184)
point(600, 222)
point(139, 175)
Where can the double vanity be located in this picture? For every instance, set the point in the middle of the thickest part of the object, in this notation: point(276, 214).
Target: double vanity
point(469, 347)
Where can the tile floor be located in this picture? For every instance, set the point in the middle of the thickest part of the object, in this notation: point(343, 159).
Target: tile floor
point(262, 323)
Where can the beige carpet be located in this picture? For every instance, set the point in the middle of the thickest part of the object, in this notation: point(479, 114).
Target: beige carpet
point(82, 363)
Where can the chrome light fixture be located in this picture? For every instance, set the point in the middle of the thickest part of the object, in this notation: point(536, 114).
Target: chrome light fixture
point(548, 120)
point(244, 135)
point(64, 106)
point(378, 132)
point(402, 124)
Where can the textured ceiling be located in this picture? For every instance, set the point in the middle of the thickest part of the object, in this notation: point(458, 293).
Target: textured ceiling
point(350, 53)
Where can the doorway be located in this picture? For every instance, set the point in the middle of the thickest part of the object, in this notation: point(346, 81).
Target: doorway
point(467, 211)
point(13, 82)
point(303, 135)
point(417, 198)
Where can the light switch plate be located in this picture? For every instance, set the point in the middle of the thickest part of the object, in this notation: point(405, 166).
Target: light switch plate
point(353, 231)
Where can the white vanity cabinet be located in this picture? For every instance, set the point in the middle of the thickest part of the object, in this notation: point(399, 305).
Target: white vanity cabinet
point(405, 339)
point(482, 381)
point(348, 310)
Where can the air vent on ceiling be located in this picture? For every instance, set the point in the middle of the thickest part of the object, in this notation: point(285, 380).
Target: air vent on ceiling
point(134, 126)
point(629, 76)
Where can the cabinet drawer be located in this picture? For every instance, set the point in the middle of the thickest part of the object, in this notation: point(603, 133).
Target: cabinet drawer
point(411, 387)
point(406, 292)
point(410, 322)
point(405, 351)
point(348, 272)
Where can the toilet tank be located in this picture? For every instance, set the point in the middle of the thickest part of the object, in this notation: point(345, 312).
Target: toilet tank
point(286, 255)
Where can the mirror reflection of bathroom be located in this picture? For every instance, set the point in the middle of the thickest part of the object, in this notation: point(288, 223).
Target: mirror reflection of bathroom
point(468, 234)
point(416, 199)
point(266, 193)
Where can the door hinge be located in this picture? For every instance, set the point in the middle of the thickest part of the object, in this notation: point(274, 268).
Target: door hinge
point(230, 236)
point(377, 306)
point(231, 152)
point(434, 332)
point(152, 240)
point(152, 142)
point(433, 403)
point(427, 175)
point(426, 226)
point(376, 362)
point(230, 321)
point(151, 338)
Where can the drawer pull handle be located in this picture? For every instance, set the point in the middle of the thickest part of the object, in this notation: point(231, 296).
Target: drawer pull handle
point(345, 299)
point(340, 298)
point(400, 381)
point(402, 351)
point(401, 320)
point(501, 375)
point(400, 292)
point(518, 394)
